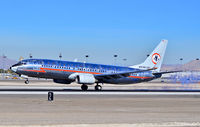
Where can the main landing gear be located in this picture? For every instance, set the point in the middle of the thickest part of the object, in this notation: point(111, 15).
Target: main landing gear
point(84, 87)
point(98, 87)
point(27, 81)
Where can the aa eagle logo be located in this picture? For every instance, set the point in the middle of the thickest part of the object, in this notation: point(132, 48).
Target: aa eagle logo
point(156, 58)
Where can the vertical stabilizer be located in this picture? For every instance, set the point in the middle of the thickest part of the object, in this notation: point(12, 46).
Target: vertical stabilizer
point(155, 59)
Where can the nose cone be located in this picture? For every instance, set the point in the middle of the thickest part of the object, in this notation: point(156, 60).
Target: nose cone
point(14, 69)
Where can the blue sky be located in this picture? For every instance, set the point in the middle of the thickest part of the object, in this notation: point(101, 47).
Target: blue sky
point(100, 28)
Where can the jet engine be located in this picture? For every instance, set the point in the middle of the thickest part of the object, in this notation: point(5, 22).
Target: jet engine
point(85, 79)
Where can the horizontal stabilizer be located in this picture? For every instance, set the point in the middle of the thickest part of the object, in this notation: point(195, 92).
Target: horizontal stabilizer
point(166, 72)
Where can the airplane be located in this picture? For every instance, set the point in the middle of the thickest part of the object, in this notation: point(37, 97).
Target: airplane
point(66, 72)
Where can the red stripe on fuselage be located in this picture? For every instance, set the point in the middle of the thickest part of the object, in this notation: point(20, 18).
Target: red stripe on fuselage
point(43, 71)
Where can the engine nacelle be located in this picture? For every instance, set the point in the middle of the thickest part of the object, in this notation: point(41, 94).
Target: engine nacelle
point(61, 81)
point(24, 76)
point(85, 79)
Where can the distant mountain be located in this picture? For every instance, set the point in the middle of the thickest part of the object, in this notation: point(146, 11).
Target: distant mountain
point(193, 65)
point(190, 66)
point(170, 67)
point(5, 62)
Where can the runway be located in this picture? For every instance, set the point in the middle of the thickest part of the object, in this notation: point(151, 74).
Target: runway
point(114, 106)
point(34, 109)
point(76, 91)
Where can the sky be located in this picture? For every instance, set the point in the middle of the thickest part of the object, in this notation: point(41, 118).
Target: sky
point(100, 28)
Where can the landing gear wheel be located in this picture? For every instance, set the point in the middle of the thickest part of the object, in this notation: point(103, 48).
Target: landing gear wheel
point(26, 82)
point(98, 88)
point(84, 87)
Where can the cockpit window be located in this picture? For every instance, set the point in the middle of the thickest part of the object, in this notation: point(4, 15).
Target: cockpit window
point(19, 64)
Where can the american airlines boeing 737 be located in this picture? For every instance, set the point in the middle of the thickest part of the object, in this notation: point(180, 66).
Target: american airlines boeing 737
point(66, 72)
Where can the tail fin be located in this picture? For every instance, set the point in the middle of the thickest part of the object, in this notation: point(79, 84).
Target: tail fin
point(155, 59)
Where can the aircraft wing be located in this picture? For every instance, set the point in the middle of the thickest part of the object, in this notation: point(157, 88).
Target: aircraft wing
point(120, 75)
